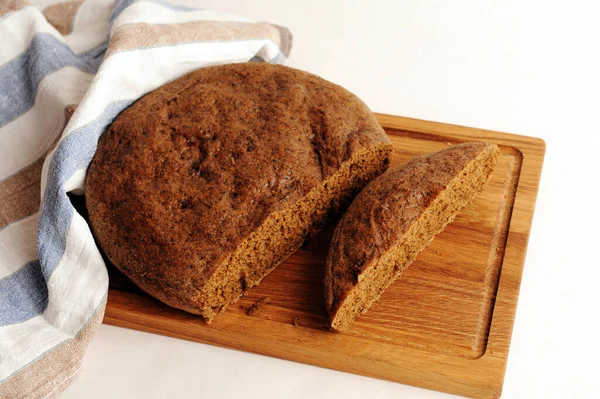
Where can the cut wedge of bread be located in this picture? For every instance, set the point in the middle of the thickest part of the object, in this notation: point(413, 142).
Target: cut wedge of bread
point(394, 218)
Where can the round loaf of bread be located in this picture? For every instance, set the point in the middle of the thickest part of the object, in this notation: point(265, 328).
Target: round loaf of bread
point(203, 186)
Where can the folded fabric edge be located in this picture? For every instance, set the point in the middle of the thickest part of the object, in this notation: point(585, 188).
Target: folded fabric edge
point(50, 373)
point(141, 35)
point(285, 39)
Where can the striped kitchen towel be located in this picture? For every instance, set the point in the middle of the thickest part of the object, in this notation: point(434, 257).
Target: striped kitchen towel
point(66, 71)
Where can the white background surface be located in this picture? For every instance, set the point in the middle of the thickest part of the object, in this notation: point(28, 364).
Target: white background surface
point(527, 67)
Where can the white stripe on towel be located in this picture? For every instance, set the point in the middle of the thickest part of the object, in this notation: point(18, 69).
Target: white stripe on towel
point(76, 288)
point(18, 244)
point(30, 136)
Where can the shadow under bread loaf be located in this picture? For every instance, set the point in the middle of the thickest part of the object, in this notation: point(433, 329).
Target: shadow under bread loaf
point(394, 218)
point(203, 186)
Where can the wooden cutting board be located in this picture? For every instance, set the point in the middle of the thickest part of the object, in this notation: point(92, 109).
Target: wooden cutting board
point(445, 324)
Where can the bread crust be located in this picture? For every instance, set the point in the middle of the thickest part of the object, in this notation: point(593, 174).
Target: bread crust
point(188, 172)
point(389, 213)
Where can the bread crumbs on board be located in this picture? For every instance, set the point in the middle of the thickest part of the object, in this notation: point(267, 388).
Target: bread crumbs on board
point(257, 307)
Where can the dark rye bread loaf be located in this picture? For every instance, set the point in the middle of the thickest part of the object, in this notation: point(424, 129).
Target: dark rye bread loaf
point(394, 218)
point(202, 187)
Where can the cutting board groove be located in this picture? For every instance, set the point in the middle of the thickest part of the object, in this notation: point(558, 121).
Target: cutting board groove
point(445, 325)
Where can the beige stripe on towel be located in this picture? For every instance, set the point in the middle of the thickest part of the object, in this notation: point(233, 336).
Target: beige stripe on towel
point(51, 374)
point(7, 6)
point(141, 35)
point(285, 44)
point(20, 193)
point(60, 15)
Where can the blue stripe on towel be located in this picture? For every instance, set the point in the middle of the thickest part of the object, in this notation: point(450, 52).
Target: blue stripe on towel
point(24, 294)
point(20, 77)
point(73, 153)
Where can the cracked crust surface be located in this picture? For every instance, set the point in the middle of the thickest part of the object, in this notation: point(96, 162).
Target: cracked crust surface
point(219, 160)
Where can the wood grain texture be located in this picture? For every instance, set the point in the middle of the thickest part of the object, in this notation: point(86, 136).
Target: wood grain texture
point(445, 325)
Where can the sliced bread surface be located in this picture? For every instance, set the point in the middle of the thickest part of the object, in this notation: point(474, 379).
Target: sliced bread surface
point(394, 218)
point(202, 187)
